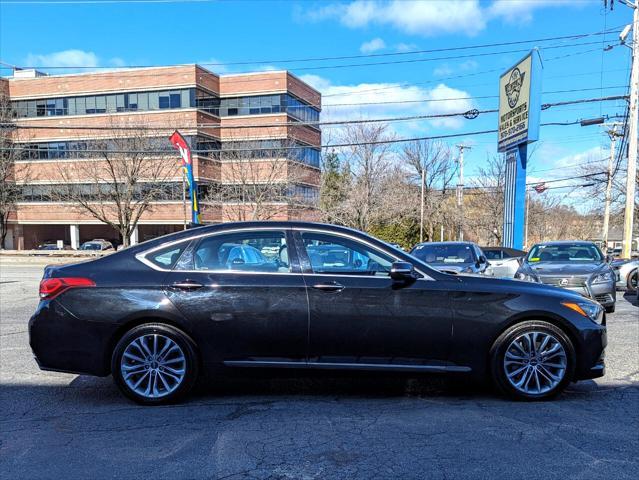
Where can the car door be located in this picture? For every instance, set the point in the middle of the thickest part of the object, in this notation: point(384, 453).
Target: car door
point(245, 294)
point(360, 317)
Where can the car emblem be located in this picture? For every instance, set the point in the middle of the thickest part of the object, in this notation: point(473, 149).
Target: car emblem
point(513, 87)
point(563, 282)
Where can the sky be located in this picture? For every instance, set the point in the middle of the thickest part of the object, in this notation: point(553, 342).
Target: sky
point(262, 35)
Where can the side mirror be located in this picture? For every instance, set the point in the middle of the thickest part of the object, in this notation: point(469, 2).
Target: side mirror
point(609, 258)
point(402, 271)
point(483, 259)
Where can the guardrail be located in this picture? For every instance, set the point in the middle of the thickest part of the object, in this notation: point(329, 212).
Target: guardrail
point(54, 253)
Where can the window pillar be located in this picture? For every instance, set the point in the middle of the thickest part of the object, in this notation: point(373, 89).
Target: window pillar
point(134, 236)
point(75, 236)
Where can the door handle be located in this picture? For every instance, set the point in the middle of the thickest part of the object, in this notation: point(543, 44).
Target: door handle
point(187, 285)
point(329, 287)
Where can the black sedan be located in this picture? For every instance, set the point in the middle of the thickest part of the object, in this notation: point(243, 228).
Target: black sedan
point(577, 266)
point(304, 296)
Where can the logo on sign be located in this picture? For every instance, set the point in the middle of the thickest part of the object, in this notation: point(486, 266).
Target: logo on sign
point(513, 87)
point(563, 282)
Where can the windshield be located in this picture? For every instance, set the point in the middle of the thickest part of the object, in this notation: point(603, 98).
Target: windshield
point(565, 253)
point(444, 254)
point(91, 246)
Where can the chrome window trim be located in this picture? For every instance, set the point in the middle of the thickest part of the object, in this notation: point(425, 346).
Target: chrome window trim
point(142, 255)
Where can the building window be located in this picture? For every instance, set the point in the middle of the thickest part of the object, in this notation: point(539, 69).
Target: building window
point(94, 104)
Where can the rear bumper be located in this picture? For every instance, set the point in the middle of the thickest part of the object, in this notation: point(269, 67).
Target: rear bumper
point(62, 343)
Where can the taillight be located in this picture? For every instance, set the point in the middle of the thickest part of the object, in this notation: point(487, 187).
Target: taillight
point(52, 287)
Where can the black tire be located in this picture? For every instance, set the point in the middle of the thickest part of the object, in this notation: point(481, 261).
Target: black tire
point(185, 343)
point(498, 351)
point(633, 277)
point(610, 309)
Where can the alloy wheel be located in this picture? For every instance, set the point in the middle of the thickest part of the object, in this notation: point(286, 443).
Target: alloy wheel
point(153, 365)
point(535, 362)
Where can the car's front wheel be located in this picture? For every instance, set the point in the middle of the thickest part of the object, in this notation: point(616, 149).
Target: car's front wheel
point(532, 360)
point(154, 364)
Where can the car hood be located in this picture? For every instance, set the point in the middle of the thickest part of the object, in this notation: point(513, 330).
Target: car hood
point(514, 286)
point(565, 268)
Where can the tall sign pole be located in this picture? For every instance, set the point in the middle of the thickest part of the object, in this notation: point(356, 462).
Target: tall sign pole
point(631, 178)
point(519, 112)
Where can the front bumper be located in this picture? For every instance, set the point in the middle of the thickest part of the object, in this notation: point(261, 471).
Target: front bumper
point(592, 353)
point(603, 293)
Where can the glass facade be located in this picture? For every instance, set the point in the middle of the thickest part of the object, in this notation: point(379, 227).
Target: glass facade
point(271, 149)
point(305, 194)
point(84, 148)
point(257, 105)
point(53, 192)
point(108, 103)
point(164, 100)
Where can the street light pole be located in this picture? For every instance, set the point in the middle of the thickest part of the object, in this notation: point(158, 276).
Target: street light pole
point(612, 133)
point(632, 135)
point(460, 191)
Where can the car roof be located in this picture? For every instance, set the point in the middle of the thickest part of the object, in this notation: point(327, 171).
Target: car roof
point(446, 243)
point(503, 249)
point(566, 242)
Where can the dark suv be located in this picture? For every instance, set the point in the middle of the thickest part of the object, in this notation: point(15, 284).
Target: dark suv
point(452, 257)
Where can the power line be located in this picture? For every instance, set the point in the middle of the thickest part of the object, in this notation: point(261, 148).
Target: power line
point(469, 114)
point(370, 55)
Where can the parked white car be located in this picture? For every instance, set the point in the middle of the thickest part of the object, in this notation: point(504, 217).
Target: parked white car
point(503, 262)
point(626, 272)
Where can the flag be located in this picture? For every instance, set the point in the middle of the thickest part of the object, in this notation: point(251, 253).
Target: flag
point(178, 141)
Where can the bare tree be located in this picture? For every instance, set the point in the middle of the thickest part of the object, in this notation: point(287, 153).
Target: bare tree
point(10, 170)
point(485, 201)
point(263, 182)
point(367, 166)
point(120, 178)
point(435, 161)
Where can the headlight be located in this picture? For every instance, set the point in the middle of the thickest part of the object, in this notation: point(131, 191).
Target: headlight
point(602, 278)
point(527, 277)
point(589, 310)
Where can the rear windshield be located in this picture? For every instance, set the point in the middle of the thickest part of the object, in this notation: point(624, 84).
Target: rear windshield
point(565, 253)
point(444, 254)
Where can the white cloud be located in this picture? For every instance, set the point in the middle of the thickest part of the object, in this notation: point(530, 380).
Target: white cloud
point(72, 60)
point(427, 17)
point(405, 47)
point(521, 11)
point(65, 58)
point(446, 69)
point(417, 101)
point(373, 45)
point(419, 17)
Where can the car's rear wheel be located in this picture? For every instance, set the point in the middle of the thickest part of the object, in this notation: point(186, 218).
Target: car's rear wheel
point(533, 360)
point(633, 277)
point(154, 364)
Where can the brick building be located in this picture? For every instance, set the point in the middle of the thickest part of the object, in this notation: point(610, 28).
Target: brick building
point(215, 113)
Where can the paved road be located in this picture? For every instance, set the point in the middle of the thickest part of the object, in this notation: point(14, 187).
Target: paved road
point(66, 426)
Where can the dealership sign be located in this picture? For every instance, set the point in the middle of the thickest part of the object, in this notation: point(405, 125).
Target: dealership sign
point(519, 102)
point(519, 111)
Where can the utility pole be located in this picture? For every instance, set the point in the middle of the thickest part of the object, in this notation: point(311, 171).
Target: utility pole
point(460, 190)
point(526, 213)
point(421, 215)
point(612, 133)
point(632, 130)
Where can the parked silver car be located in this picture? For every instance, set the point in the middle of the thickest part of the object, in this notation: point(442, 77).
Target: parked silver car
point(626, 272)
point(577, 266)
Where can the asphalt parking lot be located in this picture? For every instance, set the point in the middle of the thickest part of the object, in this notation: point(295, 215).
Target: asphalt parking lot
point(55, 425)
